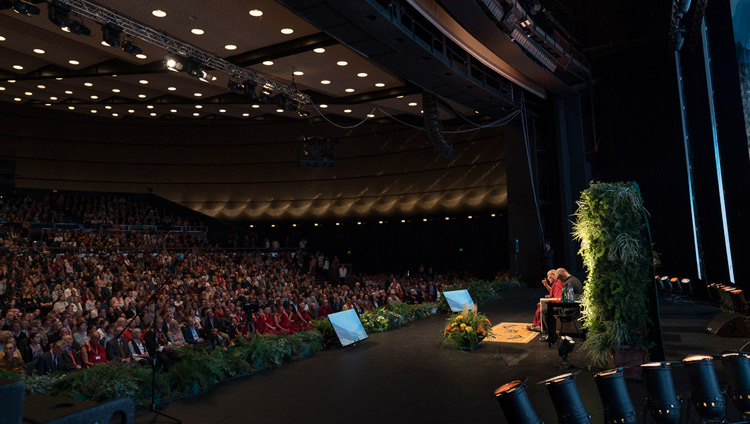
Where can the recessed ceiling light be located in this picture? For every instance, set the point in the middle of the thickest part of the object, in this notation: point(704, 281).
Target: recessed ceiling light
point(323, 106)
point(108, 107)
point(88, 84)
point(93, 111)
point(74, 62)
point(71, 107)
point(197, 31)
point(131, 111)
point(298, 73)
point(196, 114)
point(349, 90)
point(152, 113)
point(325, 82)
point(18, 67)
point(18, 99)
point(53, 98)
point(12, 81)
point(141, 96)
point(115, 90)
point(105, 44)
point(115, 115)
point(222, 111)
point(256, 13)
point(379, 84)
point(245, 114)
point(171, 88)
point(199, 106)
point(2, 88)
point(159, 13)
point(362, 74)
point(412, 103)
point(28, 93)
point(370, 115)
point(198, 94)
point(268, 63)
point(347, 111)
point(149, 106)
point(399, 97)
point(143, 81)
point(58, 79)
point(319, 50)
point(94, 97)
point(173, 110)
point(255, 106)
point(68, 92)
point(287, 31)
point(141, 56)
point(2, 38)
point(48, 104)
point(279, 110)
point(230, 47)
point(41, 87)
point(39, 51)
point(342, 63)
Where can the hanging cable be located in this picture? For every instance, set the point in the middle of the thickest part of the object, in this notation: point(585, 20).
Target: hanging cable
point(343, 127)
point(528, 159)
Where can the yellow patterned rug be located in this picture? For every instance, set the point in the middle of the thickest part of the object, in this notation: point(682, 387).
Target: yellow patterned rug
point(511, 332)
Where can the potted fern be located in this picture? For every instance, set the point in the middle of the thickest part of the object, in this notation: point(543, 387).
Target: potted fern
point(611, 226)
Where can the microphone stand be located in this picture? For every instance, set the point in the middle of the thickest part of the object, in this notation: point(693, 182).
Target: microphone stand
point(155, 299)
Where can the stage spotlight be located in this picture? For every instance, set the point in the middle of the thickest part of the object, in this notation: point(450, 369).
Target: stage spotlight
point(739, 304)
point(195, 69)
point(737, 366)
point(24, 8)
point(705, 392)
point(131, 48)
point(111, 35)
point(661, 397)
point(175, 63)
point(565, 345)
point(78, 28)
point(250, 89)
point(687, 287)
point(618, 408)
point(675, 284)
point(59, 14)
point(566, 399)
point(235, 87)
point(515, 403)
point(666, 284)
point(302, 112)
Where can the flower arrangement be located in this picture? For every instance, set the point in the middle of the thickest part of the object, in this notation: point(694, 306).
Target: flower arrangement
point(467, 329)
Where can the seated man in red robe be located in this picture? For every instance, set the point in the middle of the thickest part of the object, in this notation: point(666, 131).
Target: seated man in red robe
point(269, 321)
point(285, 322)
point(301, 319)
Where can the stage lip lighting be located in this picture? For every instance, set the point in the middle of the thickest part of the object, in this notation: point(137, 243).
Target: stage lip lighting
point(515, 403)
point(618, 408)
point(737, 366)
point(705, 393)
point(661, 397)
point(567, 400)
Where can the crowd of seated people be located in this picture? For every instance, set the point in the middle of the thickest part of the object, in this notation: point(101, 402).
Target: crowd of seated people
point(79, 306)
point(89, 209)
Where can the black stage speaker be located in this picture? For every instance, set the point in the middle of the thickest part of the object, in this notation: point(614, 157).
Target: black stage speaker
point(726, 324)
point(11, 400)
point(434, 127)
point(39, 409)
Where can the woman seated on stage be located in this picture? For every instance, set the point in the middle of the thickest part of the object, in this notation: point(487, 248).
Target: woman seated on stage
point(555, 288)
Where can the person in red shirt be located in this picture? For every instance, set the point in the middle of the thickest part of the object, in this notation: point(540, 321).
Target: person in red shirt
point(324, 309)
point(555, 288)
point(93, 352)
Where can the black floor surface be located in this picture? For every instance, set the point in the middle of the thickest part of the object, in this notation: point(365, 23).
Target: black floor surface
point(405, 375)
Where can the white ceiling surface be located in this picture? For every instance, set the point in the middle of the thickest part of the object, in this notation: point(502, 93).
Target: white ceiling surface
point(223, 23)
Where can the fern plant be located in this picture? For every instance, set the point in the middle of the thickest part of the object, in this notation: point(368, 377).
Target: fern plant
point(611, 228)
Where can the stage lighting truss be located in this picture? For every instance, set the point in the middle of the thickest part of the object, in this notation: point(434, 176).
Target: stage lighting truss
point(117, 25)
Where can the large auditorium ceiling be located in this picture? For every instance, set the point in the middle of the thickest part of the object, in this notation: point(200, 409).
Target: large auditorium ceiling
point(42, 65)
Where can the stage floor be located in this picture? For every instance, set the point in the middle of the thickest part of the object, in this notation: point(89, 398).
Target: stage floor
point(405, 375)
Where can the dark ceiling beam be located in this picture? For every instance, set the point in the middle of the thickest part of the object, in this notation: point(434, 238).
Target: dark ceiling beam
point(285, 49)
point(370, 96)
point(107, 68)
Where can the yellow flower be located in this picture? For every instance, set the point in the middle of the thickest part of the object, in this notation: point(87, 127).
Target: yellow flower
point(463, 326)
point(468, 328)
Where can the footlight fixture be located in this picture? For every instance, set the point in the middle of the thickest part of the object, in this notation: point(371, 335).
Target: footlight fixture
point(515, 403)
point(737, 366)
point(705, 393)
point(661, 397)
point(618, 408)
point(566, 399)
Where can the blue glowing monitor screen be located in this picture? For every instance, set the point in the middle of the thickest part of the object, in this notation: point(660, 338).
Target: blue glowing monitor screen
point(457, 299)
point(348, 327)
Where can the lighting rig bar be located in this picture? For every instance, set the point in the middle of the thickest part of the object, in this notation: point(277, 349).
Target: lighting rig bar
point(141, 32)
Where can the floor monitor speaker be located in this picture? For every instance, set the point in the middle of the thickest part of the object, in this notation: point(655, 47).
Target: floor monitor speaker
point(726, 324)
